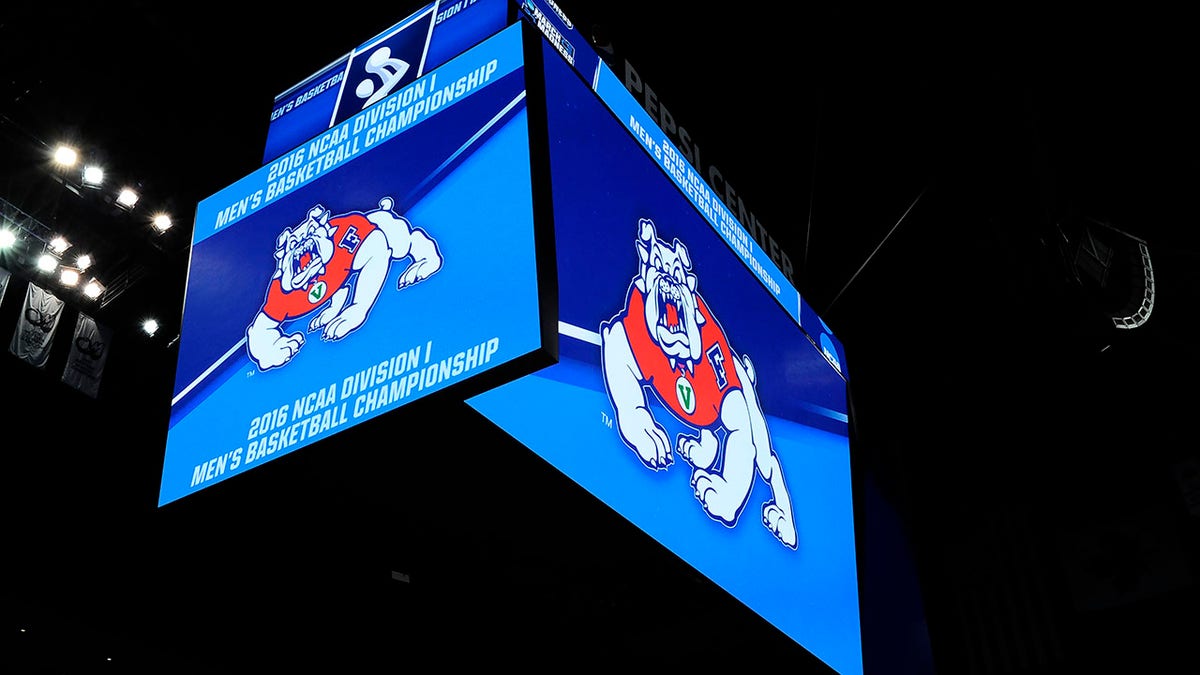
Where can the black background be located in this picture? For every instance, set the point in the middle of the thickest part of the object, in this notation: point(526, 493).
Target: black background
point(930, 174)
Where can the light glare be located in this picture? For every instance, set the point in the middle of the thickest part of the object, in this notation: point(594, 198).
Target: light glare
point(127, 198)
point(93, 176)
point(7, 238)
point(162, 222)
point(93, 289)
point(65, 156)
point(47, 262)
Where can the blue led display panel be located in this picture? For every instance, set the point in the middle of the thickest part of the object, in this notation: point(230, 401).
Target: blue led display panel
point(387, 62)
point(693, 394)
point(333, 285)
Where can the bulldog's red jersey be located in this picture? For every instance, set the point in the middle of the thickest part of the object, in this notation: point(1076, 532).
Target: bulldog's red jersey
point(702, 390)
point(349, 231)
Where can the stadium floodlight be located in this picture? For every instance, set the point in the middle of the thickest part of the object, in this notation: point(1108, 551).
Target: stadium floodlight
point(83, 262)
point(93, 289)
point(59, 244)
point(65, 155)
point(162, 222)
point(69, 276)
point(127, 198)
point(7, 238)
point(47, 262)
point(150, 326)
point(93, 176)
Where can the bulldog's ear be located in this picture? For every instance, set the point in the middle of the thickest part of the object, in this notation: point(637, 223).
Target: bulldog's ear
point(681, 251)
point(643, 252)
point(281, 244)
point(646, 230)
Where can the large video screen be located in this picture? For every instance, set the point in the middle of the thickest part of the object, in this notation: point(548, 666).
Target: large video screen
point(687, 396)
point(391, 257)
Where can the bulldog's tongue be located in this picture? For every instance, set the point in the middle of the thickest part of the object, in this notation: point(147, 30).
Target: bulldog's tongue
point(672, 316)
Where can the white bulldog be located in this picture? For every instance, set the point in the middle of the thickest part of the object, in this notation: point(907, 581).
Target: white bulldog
point(335, 264)
point(667, 341)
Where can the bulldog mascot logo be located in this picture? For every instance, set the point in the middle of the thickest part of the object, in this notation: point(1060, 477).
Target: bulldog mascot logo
point(337, 265)
point(667, 341)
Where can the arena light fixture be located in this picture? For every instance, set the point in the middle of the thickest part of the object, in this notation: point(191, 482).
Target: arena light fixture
point(59, 244)
point(65, 155)
point(47, 262)
point(7, 238)
point(93, 289)
point(127, 198)
point(93, 176)
point(162, 222)
point(150, 326)
point(69, 276)
point(83, 262)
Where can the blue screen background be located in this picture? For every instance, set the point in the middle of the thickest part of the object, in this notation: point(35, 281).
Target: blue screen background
point(462, 176)
point(603, 182)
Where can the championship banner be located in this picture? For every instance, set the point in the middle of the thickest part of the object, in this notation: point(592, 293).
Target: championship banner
point(89, 351)
point(4, 275)
point(34, 333)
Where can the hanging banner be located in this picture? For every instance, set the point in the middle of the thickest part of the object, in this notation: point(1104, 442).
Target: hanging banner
point(34, 333)
point(4, 275)
point(89, 351)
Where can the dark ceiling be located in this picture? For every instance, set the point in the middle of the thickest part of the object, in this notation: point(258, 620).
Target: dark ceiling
point(938, 178)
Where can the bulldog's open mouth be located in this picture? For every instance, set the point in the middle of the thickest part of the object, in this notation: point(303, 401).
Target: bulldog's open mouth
point(305, 260)
point(670, 318)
